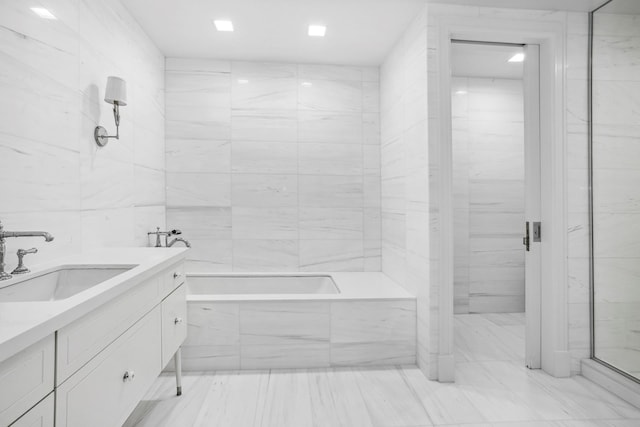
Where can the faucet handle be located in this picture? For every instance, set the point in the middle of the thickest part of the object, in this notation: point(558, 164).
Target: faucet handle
point(23, 252)
point(21, 269)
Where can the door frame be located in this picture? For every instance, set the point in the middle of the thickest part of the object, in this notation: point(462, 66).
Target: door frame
point(551, 37)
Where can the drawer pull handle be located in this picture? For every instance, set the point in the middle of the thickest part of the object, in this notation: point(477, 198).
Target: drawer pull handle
point(176, 275)
point(128, 376)
point(178, 320)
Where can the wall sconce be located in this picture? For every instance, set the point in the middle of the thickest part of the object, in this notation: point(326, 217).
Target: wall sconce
point(116, 94)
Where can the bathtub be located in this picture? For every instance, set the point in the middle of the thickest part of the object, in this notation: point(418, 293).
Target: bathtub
point(297, 320)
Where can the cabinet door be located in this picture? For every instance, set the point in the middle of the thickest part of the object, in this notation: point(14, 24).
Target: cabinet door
point(105, 391)
point(25, 378)
point(174, 323)
point(40, 415)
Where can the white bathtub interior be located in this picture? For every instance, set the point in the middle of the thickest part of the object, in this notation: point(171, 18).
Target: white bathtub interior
point(260, 284)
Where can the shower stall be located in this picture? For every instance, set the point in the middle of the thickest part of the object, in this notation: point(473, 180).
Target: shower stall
point(614, 196)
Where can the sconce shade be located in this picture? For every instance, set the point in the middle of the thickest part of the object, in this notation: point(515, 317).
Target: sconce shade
point(116, 91)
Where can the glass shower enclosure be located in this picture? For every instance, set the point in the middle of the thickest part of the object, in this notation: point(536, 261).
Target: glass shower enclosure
point(614, 170)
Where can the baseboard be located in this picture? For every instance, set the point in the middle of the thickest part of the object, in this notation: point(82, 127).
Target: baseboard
point(446, 368)
point(562, 364)
point(612, 381)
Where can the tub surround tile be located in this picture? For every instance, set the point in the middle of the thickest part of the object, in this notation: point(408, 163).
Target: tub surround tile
point(285, 356)
point(258, 92)
point(197, 156)
point(372, 255)
point(277, 324)
point(330, 223)
point(278, 144)
point(351, 321)
point(378, 327)
point(263, 70)
point(209, 358)
point(333, 72)
point(264, 125)
point(331, 127)
point(331, 191)
point(330, 95)
point(198, 190)
point(331, 255)
point(201, 222)
point(209, 255)
point(265, 255)
point(265, 223)
point(213, 324)
point(261, 190)
point(330, 159)
point(204, 90)
point(260, 157)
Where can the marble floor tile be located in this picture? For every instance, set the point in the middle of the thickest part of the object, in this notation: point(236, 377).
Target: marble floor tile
point(491, 390)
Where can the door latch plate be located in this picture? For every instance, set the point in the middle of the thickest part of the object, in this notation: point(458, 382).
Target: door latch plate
point(537, 231)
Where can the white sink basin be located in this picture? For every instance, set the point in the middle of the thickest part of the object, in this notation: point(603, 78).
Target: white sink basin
point(59, 283)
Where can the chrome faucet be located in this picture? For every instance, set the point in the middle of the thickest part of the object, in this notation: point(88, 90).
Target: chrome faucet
point(166, 235)
point(178, 239)
point(3, 248)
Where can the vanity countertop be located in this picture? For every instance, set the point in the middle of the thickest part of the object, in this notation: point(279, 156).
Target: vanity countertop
point(25, 323)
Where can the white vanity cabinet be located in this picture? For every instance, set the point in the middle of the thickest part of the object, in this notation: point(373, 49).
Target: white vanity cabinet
point(40, 415)
point(31, 376)
point(108, 359)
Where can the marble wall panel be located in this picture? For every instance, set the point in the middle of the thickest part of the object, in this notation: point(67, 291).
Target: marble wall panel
point(286, 143)
point(54, 75)
point(405, 179)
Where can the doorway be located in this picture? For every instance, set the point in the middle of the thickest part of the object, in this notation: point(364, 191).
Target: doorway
point(496, 201)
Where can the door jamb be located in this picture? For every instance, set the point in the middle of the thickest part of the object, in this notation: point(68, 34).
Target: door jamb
point(550, 36)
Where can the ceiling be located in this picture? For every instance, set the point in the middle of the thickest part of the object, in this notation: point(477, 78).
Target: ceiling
point(485, 60)
point(359, 32)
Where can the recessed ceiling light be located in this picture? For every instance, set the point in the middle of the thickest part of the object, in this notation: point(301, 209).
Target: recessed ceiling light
point(43, 13)
point(243, 81)
point(317, 30)
point(222, 25)
point(306, 84)
point(518, 57)
point(461, 92)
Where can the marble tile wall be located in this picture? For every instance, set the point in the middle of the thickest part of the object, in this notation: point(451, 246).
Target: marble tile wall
point(299, 334)
point(406, 219)
point(273, 166)
point(53, 176)
point(488, 190)
point(578, 187)
point(616, 207)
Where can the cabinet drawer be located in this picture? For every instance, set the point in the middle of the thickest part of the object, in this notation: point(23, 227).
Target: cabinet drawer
point(40, 415)
point(25, 378)
point(174, 322)
point(173, 277)
point(98, 394)
point(80, 341)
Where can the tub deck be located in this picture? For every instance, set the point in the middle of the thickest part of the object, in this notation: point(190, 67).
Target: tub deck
point(351, 286)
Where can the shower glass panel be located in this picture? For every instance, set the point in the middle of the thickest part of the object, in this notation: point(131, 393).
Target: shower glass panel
point(615, 186)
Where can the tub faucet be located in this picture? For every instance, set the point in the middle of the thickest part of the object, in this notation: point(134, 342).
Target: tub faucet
point(166, 235)
point(4, 234)
point(179, 239)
